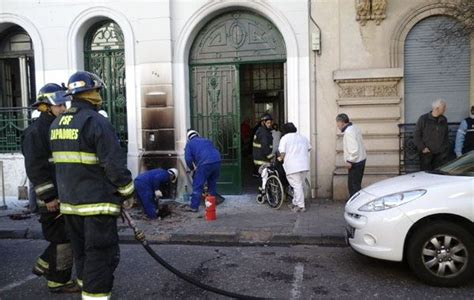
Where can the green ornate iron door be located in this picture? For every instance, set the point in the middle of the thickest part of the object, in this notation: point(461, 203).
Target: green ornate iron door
point(215, 113)
point(104, 55)
point(221, 47)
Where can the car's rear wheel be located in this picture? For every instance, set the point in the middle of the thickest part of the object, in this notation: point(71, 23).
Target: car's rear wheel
point(442, 254)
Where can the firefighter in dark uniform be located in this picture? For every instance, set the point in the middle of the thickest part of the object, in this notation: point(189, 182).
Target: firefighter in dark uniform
point(263, 141)
point(56, 261)
point(93, 183)
point(263, 146)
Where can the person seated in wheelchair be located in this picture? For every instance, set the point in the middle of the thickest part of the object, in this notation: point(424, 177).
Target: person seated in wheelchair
point(273, 167)
point(150, 186)
point(263, 147)
point(294, 153)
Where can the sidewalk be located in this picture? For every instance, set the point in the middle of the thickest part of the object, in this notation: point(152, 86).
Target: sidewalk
point(240, 220)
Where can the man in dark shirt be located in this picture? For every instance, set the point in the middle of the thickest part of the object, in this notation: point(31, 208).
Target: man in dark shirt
point(431, 137)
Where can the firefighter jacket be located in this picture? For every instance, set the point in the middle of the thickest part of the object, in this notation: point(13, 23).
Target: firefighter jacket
point(262, 146)
point(200, 151)
point(38, 162)
point(91, 168)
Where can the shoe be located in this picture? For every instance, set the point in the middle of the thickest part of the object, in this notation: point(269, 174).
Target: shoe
point(190, 209)
point(298, 209)
point(219, 200)
point(68, 288)
point(291, 206)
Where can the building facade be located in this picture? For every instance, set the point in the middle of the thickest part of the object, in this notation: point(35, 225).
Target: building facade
point(215, 66)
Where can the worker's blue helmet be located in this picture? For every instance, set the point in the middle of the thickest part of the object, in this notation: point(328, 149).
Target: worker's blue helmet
point(51, 94)
point(83, 81)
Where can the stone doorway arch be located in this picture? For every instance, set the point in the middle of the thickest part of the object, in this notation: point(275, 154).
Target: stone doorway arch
point(236, 71)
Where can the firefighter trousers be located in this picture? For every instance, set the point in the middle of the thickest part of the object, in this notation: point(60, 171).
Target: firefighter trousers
point(57, 258)
point(94, 241)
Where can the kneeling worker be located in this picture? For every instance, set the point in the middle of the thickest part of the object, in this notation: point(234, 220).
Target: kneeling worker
point(148, 185)
point(205, 160)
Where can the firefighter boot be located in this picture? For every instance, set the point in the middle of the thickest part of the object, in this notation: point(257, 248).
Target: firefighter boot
point(64, 288)
point(40, 268)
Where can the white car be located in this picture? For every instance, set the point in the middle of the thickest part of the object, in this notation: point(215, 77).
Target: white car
point(425, 218)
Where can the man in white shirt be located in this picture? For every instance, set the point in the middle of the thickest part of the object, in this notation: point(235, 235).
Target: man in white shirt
point(294, 152)
point(354, 152)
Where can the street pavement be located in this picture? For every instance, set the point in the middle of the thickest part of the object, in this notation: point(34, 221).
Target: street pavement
point(297, 272)
point(240, 220)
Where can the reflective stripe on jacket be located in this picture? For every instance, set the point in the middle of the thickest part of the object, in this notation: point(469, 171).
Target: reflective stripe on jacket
point(91, 167)
point(262, 146)
point(39, 167)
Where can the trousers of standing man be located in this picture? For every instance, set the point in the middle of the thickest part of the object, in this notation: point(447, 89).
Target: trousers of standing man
point(94, 241)
point(431, 161)
point(296, 180)
point(354, 180)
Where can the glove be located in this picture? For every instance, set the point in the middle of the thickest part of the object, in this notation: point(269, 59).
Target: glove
point(128, 203)
point(158, 194)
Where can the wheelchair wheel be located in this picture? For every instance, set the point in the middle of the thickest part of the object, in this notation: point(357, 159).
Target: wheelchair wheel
point(261, 199)
point(274, 192)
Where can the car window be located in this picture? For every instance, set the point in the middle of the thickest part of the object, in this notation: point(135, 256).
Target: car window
point(463, 166)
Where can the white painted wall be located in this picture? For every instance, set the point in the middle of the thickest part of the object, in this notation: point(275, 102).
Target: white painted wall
point(158, 36)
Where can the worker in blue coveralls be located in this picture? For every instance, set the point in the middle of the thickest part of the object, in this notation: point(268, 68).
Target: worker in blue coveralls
point(205, 160)
point(148, 187)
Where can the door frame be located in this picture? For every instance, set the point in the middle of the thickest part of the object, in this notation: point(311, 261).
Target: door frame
point(237, 67)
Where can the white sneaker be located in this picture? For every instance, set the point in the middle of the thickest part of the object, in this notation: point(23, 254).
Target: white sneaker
point(298, 209)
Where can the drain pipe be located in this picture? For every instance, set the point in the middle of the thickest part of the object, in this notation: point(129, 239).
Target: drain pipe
point(316, 49)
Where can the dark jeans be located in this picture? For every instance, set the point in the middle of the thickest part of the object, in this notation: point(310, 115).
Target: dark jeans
point(58, 254)
point(94, 242)
point(354, 180)
point(431, 161)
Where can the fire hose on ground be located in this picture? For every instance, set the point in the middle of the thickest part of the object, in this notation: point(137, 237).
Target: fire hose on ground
point(140, 236)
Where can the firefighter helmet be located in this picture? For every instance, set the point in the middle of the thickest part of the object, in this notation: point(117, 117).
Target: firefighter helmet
point(51, 94)
point(83, 81)
point(266, 117)
point(192, 134)
point(173, 172)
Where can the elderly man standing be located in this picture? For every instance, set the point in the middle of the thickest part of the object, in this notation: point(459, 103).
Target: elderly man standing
point(354, 152)
point(431, 137)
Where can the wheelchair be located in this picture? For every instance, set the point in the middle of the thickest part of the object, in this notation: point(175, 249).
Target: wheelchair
point(277, 188)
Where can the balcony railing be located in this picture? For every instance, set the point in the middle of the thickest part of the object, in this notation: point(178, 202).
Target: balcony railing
point(13, 121)
point(409, 155)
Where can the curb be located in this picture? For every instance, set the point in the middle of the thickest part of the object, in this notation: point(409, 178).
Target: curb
point(242, 238)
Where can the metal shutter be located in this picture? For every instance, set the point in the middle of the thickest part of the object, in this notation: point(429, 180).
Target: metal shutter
point(436, 70)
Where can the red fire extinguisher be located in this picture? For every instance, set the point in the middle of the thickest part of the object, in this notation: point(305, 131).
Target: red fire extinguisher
point(211, 208)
